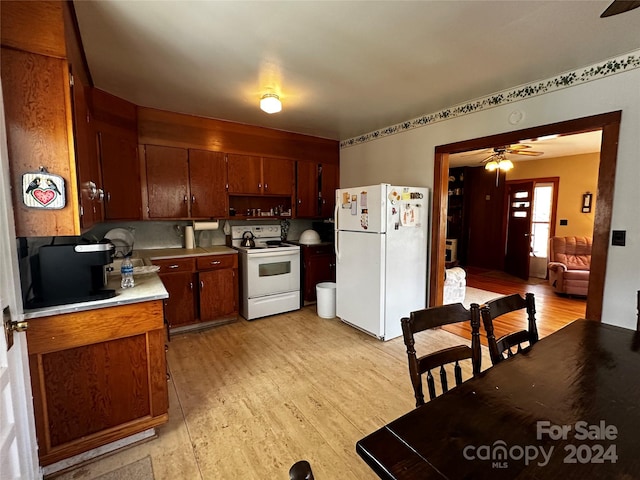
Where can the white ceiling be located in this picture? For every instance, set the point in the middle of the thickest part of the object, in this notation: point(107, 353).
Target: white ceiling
point(341, 68)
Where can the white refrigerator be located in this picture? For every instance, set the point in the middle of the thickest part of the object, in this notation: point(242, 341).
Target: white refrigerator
point(381, 248)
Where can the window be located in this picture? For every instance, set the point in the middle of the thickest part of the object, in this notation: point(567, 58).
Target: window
point(541, 220)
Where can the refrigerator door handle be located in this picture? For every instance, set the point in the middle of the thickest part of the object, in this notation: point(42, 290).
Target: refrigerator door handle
point(335, 242)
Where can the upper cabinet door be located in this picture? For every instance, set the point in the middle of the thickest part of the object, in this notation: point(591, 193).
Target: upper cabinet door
point(307, 190)
point(208, 179)
point(244, 174)
point(87, 163)
point(278, 175)
point(329, 182)
point(167, 181)
point(120, 177)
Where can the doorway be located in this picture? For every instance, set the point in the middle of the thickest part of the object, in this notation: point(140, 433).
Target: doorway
point(609, 123)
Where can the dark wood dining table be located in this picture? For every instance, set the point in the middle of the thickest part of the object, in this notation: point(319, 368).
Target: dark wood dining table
point(566, 408)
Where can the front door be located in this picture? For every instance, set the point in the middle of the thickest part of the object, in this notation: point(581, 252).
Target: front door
point(518, 244)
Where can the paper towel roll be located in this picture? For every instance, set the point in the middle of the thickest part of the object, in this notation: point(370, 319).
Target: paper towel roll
point(189, 241)
point(205, 225)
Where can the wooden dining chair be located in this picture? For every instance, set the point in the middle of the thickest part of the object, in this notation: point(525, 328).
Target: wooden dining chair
point(434, 317)
point(506, 344)
point(301, 470)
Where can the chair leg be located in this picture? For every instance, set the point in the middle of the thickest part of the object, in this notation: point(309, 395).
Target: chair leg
point(301, 470)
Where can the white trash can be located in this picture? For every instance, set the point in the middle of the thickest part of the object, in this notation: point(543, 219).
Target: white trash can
point(326, 299)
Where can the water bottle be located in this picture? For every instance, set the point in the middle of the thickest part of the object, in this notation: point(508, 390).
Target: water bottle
point(126, 269)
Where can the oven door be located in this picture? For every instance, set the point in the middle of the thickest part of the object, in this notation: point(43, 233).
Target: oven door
point(274, 272)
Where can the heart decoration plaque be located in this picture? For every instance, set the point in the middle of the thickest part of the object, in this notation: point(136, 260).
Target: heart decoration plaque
point(43, 190)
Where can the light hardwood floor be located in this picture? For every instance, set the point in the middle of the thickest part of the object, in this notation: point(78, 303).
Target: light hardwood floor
point(552, 310)
point(249, 399)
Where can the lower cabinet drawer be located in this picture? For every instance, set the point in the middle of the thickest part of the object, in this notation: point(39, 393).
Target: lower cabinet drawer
point(217, 261)
point(174, 265)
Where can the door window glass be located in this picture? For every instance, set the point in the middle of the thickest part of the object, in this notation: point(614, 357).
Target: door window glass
point(541, 219)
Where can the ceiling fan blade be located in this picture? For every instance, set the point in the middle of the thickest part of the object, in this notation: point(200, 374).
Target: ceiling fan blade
point(531, 153)
point(620, 6)
point(484, 160)
point(517, 146)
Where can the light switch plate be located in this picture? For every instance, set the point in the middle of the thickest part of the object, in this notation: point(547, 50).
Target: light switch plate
point(619, 238)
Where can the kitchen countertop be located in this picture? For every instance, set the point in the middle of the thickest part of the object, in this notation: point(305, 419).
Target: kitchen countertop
point(163, 253)
point(147, 287)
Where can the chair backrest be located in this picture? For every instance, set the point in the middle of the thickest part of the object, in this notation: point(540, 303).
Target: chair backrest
point(433, 317)
point(506, 343)
point(301, 470)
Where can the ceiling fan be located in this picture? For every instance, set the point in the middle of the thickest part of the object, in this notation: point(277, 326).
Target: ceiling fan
point(517, 149)
point(498, 160)
point(620, 6)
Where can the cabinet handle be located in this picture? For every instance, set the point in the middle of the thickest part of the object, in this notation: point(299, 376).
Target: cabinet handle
point(173, 266)
point(166, 347)
point(100, 195)
point(266, 186)
point(300, 201)
point(108, 197)
point(191, 286)
point(186, 199)
point(201, 285)
point(259, 185)
point(193, 199)
point(217, 262)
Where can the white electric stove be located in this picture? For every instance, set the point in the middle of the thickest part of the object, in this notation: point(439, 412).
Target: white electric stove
point(269, 271)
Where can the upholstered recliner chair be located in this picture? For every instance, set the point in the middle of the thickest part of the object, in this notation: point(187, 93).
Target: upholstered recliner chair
point(570, 264)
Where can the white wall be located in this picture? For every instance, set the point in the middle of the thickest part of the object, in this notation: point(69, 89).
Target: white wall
point(408, 158)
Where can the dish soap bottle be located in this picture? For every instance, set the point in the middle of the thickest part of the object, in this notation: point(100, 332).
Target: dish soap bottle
point(126, 269)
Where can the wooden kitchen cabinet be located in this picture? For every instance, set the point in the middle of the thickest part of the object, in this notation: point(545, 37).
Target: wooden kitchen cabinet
point(37, 109)
point(207, 181)
point(306, 190)
point(277, 176)
point(318, 265)
point(218, 282)
point(115, 137)
point(120, 176)
point(316, 184)
point(245, 174)
point(202, 289)
point(184, 183)
point(91, 195)
point(167, 173)
point(179, 278)
point(329, 182)
point(97, 376)
point(251, 175)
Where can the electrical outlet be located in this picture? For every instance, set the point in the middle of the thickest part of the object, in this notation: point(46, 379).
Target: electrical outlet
point(564, 222)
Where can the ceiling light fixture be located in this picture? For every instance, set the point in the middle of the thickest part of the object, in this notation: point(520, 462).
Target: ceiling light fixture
point(499, 162)
point(270, 103)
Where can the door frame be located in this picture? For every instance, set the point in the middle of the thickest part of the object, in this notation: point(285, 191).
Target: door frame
point(609, 123)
